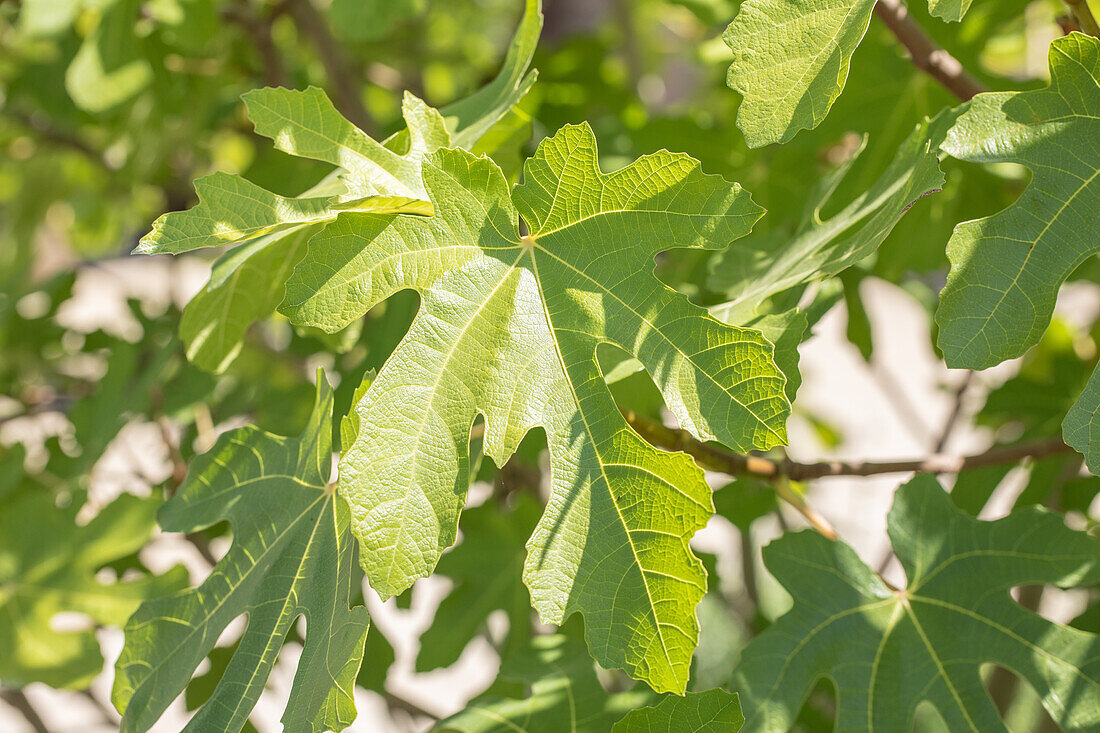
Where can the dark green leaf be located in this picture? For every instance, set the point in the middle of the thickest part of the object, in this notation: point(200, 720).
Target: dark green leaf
point(888, 650)
point(291, 556)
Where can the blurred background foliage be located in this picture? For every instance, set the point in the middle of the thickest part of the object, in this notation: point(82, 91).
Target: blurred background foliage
point(109, 109)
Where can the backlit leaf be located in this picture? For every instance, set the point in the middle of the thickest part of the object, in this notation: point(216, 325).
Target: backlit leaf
point(231, 209)
point(790, 62)
point(248, 284)
point(508, 328)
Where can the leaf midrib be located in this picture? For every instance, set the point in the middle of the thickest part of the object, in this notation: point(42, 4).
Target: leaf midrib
point(994, 311)
point(703, 314)
point(434, 390)
point(603, 472)
point(939, 666)
point(286, 602)
point(393, 157)
point(232, 589)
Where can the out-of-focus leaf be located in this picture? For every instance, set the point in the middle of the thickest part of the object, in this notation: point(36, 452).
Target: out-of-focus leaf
point(47, 17)
point(949, 10)
point(110, 67)
point(974, 488)
point(380, 656)
point(470, 118)
point(722, 636)
point(1050, 378)
point(859, 324)
point(48, 565)
point(1078, 493)
point(745, 500)
point(134, 372)
point(1030, 406)
point(370, 20)
point(11, 469)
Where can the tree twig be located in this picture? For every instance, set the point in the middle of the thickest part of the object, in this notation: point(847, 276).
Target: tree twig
point(931, 464)
point(57, 136)
point(736, 464)
point(18, 700)
point(926, 55)
point(398, 702)
point(342, 81)
point(897, 396)
point(179, 465)
point(956, 411)
point(202, 546)
point(949, 425)
point(624, 17)
point(748, 567)
point(108, 713)
point(179, 472)
point(1084, 16)
point(258, 28)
